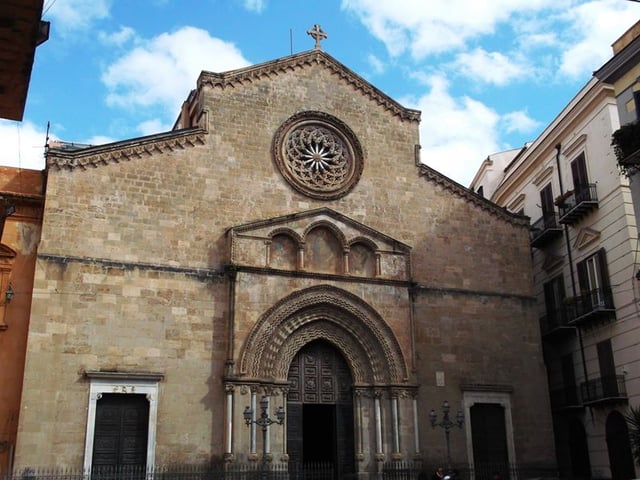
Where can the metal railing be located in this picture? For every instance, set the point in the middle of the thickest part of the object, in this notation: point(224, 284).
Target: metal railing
point(594, 301)
point(393, 470)
point(545, 229)
point(565, 397)
point(553, 320)
point(582, 199)
point(609, 387)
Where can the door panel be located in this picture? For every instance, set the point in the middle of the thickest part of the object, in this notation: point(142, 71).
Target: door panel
point(121, 430)
point(320, 409)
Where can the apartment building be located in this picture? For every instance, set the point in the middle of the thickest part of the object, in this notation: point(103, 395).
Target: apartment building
point(584, 250)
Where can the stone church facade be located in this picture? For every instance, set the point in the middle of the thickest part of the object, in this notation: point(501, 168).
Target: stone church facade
point(283, 242)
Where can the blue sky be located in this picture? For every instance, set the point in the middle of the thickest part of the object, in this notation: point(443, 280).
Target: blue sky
point(487, 76)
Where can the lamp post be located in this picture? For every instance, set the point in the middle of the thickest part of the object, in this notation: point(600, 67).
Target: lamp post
point(264, 421)
point(446, 423)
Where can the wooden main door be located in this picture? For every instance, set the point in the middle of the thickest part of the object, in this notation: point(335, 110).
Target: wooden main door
point(121, 431)
point(489, 438)
point(320, 409)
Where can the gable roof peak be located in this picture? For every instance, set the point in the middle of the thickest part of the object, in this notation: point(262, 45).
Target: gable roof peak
point(309, 58)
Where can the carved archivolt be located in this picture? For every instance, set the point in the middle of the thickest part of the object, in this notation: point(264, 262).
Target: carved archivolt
point(331, 314)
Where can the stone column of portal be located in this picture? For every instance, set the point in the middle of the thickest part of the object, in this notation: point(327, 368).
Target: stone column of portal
point(358, 425)
point(416, 433)
point(229, 442)
point(267, 437)
point(253, 424)
point(285, 453)
point(378, 419)
point(395, 424)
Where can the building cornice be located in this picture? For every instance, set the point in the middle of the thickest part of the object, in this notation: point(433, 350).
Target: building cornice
point(235, 78)
point(583, 104)
point(94, 156)
point(620, 63)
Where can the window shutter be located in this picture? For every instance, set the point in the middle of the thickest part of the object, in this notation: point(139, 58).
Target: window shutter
point(603, 270)
point(583, 278)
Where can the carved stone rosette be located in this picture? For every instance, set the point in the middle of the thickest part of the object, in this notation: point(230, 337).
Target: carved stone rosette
point(318, 155)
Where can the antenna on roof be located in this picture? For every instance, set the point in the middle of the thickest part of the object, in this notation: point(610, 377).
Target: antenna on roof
point(291, 42)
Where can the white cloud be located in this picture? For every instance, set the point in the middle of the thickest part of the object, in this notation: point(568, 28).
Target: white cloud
point(74, 15)
point(119, 38)
point(425, 28)
point(162, 71)
point(490, 67)
point(455, 133)
point(99, 140)
point(22, 145)
point(377, 64)
point(592, 27)
point(256, 6)
point(519, 122)
point(153, 126)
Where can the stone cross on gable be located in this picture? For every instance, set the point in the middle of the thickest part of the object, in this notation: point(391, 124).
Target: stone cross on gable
point(318, 34)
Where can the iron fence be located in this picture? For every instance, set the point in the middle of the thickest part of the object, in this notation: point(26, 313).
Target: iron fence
point(308, 471)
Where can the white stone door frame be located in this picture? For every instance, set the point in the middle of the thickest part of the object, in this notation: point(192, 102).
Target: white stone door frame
point(503, 399)
point(121, 383)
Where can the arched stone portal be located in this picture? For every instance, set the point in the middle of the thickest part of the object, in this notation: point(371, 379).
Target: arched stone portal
point(376, 397)
point(368, 344)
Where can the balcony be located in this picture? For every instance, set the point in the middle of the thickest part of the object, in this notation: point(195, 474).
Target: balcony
point(626, 145)
point(604, 390)
point(578, 203)
point(554, 326)
point(545, 230)
point(565, 398)
point(592, 307)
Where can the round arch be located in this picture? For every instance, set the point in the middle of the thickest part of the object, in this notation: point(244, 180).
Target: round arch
point(619, 448)
point(324, 312)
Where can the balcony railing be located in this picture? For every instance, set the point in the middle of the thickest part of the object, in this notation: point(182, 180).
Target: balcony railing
point(596, 305)
point(554, 325)
point(607, 389)
point(565, 398)
point(578, 203)
point(544, 230)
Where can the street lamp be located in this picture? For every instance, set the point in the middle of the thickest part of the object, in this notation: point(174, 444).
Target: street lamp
point(446, 423)
point(264, 421)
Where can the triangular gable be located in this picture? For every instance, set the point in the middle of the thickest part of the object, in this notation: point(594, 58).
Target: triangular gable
point(286, 65)
point(585, 237)
point(252, 244)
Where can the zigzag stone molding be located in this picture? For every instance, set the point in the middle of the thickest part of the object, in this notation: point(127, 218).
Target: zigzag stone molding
point(461, 191)
point(91, 157)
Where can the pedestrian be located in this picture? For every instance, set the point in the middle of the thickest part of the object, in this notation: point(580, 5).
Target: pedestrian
point(439, 474)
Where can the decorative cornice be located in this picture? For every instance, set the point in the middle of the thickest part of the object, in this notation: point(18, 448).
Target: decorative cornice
point(92, 157)
point(284, 65)
point(471, 197)
point(486, 387)
point(124, 375)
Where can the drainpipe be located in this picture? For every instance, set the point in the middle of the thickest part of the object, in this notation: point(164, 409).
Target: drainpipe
point(574, 289)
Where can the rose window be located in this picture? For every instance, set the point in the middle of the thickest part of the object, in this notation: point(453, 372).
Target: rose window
point(318, 155)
